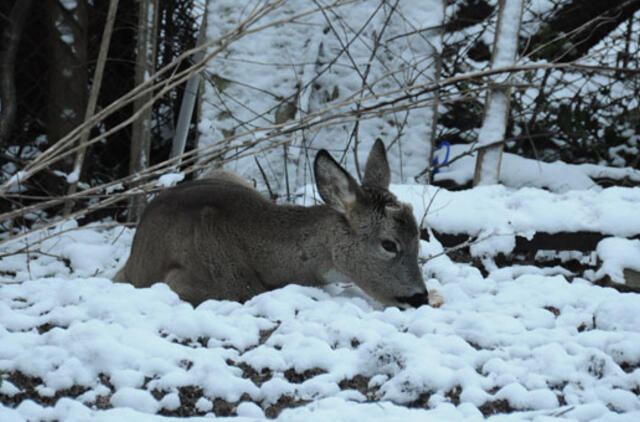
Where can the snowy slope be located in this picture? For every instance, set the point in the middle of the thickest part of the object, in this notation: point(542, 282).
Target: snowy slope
point(328, 56)
point(517, 172)
point(521, 340)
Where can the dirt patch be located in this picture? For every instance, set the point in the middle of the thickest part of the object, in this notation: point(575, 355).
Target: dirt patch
point(359, 383)
point(103, 402)
point(284, 402)
point(297, 378)
point(493, 407)
point(454, 395)
point(224, 408)
point(189, 396)
point(561, 400)
point(624, 288)
point(46, 327)
point(249, 372)
point(29, 390)
point(629, 367)
point(265, 334)
point(555, 311)
point(421, 402)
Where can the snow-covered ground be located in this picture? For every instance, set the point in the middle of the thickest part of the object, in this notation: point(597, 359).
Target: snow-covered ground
point(517, 172)
point(522, 343)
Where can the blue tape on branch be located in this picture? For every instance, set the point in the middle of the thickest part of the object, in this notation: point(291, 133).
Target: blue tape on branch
point(436, 161)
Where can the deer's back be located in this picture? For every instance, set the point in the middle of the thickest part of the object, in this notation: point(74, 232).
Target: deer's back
point(216, 193)
point(190, 230)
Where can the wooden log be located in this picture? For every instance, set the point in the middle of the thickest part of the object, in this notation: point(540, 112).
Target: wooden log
point(582, 241)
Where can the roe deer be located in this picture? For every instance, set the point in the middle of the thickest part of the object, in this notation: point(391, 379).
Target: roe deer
point(218, 238)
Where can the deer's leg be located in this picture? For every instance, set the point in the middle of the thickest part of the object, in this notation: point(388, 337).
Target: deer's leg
point(188, 287)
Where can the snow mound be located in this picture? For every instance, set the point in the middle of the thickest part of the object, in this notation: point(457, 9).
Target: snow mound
point(518, 172)
point(617, 255)
point(496, 214)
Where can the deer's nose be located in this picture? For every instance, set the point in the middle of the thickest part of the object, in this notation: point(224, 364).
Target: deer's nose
point(416, 300)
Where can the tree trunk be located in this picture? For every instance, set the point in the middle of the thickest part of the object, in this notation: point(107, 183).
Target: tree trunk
point(188, 99)
point(141, 128)
point(67, 27)
point(496, 111)
point(74, 177)
point(10, 41)
point(437, 57)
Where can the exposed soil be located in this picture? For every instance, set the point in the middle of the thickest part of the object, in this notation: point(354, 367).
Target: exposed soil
point(359, 383)
point(248, 372)
point(454, 395)
point(555, 311)
point(189, 395)
point(629, 367)
point(298, 378)
point(283, 402)
point(422, 401)
point(495, 406)
point(29, 390)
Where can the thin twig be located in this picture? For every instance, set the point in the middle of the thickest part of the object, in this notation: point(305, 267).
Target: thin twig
point(465, 244)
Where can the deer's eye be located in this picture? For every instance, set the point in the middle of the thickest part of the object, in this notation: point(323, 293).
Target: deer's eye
point(389, 246)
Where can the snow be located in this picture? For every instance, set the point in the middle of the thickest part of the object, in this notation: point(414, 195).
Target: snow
point(250, 410)
point(280, 58)
point(615, 315)
point(549, 348)
point(204, 405)
point(140, 400)
point(64, 29)
point(69, 4)
point(494, 124)
point(114, 188)
point(170, 179)
point(519, 172)
point(509, 30)
point(616, 255)
point(74, 176)
point(13, 183)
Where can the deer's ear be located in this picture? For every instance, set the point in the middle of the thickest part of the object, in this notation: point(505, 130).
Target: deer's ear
point(337, 188)
point(376, 171)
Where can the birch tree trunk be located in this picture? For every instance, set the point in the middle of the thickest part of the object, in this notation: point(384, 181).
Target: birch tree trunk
point(141, 128)
point(189, 98)
point(496, 112)
point(437, 57)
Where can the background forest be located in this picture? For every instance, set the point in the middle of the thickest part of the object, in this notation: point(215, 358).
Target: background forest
point(412, 74)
